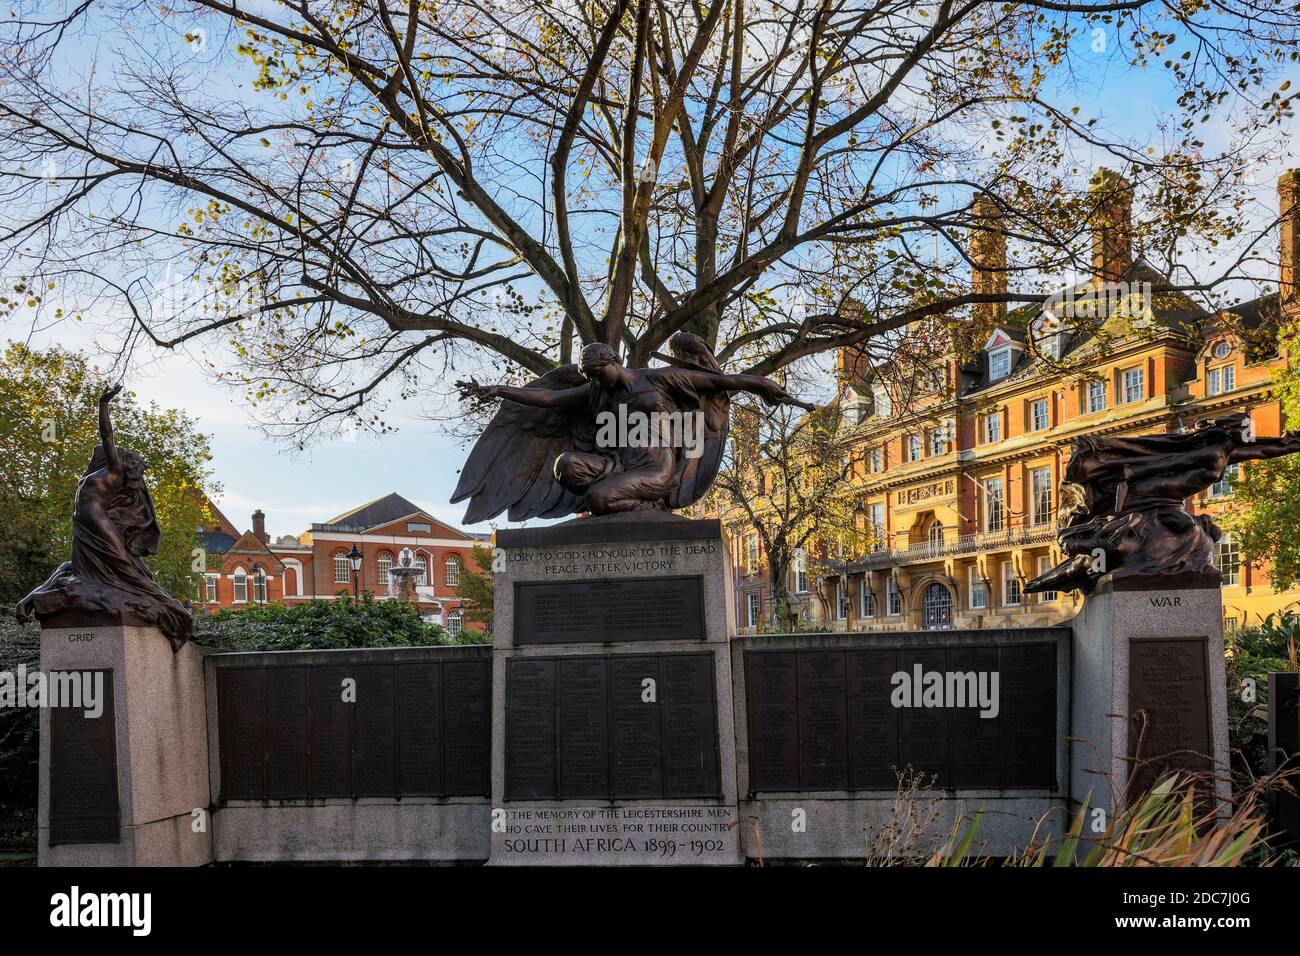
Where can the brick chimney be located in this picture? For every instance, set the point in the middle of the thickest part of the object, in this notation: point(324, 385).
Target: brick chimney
point(259, 526)
point(1112, 226)
point(988, 254)
point(1288, 185)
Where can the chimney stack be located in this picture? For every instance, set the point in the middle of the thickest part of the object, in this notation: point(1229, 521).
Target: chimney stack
point(988, 254)
point(1289, 245)
point(259, 527)
point(1112, 226)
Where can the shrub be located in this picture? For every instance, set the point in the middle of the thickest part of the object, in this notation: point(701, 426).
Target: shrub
point(342, 622)
point(1252, 654)
point(19, 726)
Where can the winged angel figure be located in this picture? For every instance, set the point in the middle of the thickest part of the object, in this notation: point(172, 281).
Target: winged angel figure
point(602, 438)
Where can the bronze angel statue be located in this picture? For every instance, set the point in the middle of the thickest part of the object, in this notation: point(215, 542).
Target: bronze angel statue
point(113, 527)
point(602, 438)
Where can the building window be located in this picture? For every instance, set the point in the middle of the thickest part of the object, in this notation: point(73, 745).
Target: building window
point(1038, 415)
point(913, 446)
point(241, 586)
point(751, 554)
point(1227, 558)
point(801, 572)
point(1132, 385)
point(1040, 490)
point(1045, 565)
point(211, 588)
point(841, 600)
point(1010, 585)
point(999, 364)
point(259, 588)
point(993, 427)
point(1224, 485)
point(455, 621)
point(979, 592)
point(881, 402)
point(453, 571)
point(1096, 396)
point(1220, 380)
point(385, 565)
point(866, 600)
point(893, 598)
point(342, 568)
point(422, 565)
point(936, 535)
point(993, 504)
point(876, 460)
point(751, 609)
point(879, 534)
point(938, 442)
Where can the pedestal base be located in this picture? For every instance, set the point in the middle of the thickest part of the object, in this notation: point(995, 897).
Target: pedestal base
point(1149, 692)
point(132, 791)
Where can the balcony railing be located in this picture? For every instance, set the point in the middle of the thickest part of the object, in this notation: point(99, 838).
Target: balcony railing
point(923, 551)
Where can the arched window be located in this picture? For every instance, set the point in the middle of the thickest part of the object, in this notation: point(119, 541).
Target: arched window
point(453, 571)
point(936, 608)
point(290, 580)
point(454, 622)
point(241, 586)
point(342, 568)
point(422, 564)
point(385, 563)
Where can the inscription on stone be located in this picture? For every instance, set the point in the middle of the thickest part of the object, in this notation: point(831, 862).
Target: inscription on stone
point(1169, 715)
point(83, 772)
point(620, 609)
point(315, 731)
point(825, 719)
point(611, 727)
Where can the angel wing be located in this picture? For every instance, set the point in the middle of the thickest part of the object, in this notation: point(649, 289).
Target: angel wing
point(695, 475)
point(511, 465)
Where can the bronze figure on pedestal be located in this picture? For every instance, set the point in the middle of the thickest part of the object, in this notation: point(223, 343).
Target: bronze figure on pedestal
point(114, 527)
point(1121, 504)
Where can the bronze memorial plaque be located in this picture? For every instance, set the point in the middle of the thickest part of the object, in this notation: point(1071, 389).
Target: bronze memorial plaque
point(309, 731)
point(615, 726)
point(825, 719)
point(83, 771)
point(619, 609)
point(1169, 708)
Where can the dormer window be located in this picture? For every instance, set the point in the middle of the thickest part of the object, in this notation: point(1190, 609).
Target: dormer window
point(1001, 350)
point(999, 364)
point(882, 405)
point(1049, 336)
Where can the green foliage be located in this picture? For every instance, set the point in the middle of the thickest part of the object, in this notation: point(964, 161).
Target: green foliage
point(19, 726)
point(48, 430)
point(476, 588)
point(318, 625)
point(1252, 654)
point(1162, 828)
point(1270, 492)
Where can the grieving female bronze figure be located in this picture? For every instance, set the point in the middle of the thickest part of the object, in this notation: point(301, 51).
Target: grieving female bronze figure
point(113, 527)
point(1121, 504)
point(545, 453)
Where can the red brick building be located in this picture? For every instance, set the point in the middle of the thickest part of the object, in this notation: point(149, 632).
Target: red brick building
point(248, 568)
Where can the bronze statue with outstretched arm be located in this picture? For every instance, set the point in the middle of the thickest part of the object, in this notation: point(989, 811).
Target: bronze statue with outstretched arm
point(548, 452)
point(114, 527)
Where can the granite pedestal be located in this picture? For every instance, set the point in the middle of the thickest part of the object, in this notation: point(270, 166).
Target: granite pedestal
point(613, 732)
point(121, 788)
point(1149, 689)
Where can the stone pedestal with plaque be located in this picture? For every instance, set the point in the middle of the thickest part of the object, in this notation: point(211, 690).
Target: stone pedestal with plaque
point(613, 737)
point(1150, 692)
point(122, 771)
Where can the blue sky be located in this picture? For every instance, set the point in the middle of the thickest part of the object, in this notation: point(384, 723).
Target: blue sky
point(419, 460)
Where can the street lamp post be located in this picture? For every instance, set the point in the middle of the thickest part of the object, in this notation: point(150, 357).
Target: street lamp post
point(354, 557)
